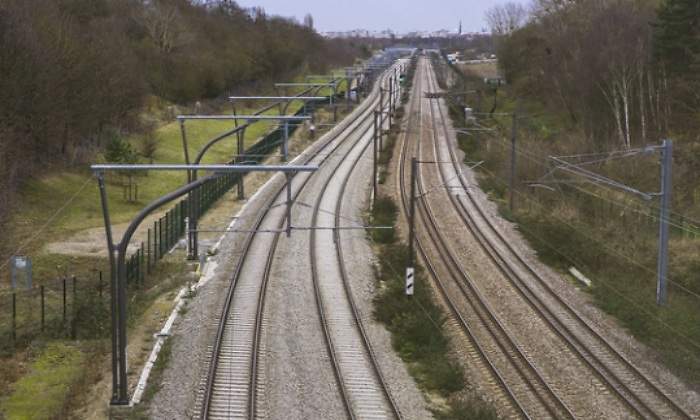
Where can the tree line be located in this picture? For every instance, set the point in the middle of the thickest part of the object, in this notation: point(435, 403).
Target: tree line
point(625, 71)
point(74, 71)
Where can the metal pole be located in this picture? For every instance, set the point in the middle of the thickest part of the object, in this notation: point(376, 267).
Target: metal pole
point(391, 95)
point(289, 203)
point(412, 213)
point(113, 286)
point(239, 153)
point(285, 144)
point(666, 186)
point(374, 161)
point(121, 318)
point(193, 213)
point(513, 138)
point(185, 148)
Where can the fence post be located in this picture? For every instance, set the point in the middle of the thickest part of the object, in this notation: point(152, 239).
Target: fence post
point(73, 329)
point(41, 288)
point(64, 299)
point(167, 230)
point(14, 316)
point(160, 238)
point(148, 252)
point(99, 287)
point(141, 264)
point(155, 242)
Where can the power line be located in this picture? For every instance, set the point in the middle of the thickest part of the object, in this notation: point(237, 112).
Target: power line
point(615, 290)
point(47, 223)
point(605, 247)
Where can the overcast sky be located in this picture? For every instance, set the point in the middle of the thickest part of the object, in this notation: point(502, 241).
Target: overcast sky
point(398, 15)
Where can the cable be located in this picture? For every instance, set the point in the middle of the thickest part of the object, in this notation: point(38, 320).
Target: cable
point(606, 248)
point(47, 223)
point(618, 292)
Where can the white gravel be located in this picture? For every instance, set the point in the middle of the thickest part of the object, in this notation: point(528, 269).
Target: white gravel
point(297, 381)
point(360, 260)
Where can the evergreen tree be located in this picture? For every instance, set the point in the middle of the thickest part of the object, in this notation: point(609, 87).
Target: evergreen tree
point(677, 37)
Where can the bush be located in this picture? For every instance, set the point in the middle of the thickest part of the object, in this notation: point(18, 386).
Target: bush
point(148, 145)
point(384, 213)
point(119, 150)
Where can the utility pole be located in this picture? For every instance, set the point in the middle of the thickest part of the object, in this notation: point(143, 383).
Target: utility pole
point(391, 95)
point(412, 213)
point(239, 154)
point(285, 144)
point(513, 138)
point(374, 146)
point(666, 186)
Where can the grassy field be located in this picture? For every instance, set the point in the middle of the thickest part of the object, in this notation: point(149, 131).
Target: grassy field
point(54, 207)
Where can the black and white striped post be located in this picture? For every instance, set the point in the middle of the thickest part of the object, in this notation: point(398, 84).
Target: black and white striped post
point(410, 275)
point(411, 227)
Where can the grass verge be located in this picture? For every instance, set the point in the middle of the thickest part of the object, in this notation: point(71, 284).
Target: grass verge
point(42, 394)
point(416, 325)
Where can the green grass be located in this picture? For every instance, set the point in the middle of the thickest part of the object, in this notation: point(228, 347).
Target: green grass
point(416, 325)
point(41, 197)
point(43, 392)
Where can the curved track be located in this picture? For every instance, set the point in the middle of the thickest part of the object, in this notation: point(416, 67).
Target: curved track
point(642, 396)
point(361, 380)
point(231, 385)
point(529, 394)
point(516, 379)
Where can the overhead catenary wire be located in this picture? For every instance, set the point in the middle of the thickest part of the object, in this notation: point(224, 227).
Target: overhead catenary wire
point(601, 243)
point(540, 160)
point(610, 251)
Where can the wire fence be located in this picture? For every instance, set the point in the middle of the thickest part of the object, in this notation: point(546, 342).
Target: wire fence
point(70, 307)
point(65, 307)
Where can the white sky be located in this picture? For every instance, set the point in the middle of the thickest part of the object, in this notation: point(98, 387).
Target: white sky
point(398, 15)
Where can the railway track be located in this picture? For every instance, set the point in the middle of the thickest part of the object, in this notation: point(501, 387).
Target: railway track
point(516, 379)
point(641, 395)
point(231, 387)
point(528, 393)
point(364, 390)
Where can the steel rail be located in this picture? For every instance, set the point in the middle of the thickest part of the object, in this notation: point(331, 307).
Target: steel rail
point(559, 326)
point(210, 380)
point(464, 325)
point(374, 365)
point(543, 396)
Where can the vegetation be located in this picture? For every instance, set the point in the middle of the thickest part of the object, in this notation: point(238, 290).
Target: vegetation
point(76, 71)
point(416, 326)
point(574, 97)
point(42, 393)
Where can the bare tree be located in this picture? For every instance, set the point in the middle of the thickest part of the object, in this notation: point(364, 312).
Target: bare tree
point(505, 18)
point(163, 24)
point(309, 21)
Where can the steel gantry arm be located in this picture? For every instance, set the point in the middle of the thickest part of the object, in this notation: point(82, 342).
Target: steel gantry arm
point(117, 251)
point(192, 240)
point(332, 84)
